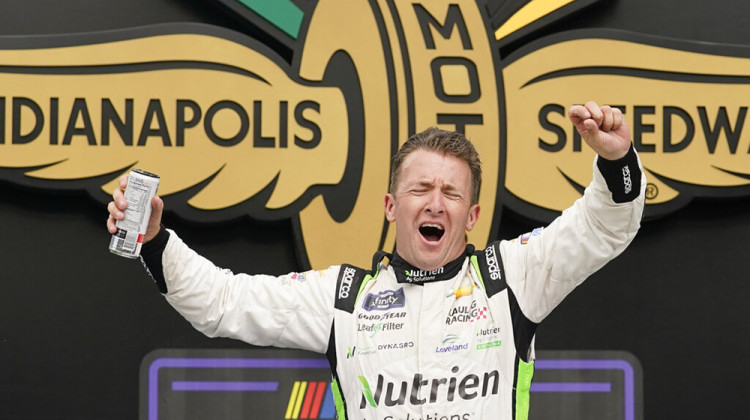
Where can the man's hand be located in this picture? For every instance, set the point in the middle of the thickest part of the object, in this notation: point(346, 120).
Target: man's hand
point(117, 206)
point(603, 128)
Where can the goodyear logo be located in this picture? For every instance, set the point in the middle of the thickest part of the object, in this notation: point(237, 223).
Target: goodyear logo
point(234, 129)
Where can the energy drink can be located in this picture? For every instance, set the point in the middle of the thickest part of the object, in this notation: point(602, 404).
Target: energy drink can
point(140, 190)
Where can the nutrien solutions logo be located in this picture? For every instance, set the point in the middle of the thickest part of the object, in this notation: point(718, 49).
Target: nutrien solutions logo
point(234, 129)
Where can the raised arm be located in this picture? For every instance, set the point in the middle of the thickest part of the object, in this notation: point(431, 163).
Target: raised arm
point(547, 264)
point(293, 310)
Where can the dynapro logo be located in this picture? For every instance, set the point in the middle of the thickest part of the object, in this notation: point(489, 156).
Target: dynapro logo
point(492, 265)
point(421, 391)
point(234, 129)
point(346, 282)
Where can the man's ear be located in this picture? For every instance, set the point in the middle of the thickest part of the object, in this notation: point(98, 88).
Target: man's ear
point(390, 204)
point(473, 217)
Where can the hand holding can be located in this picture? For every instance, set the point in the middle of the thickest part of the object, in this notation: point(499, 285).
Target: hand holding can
point(129, 226)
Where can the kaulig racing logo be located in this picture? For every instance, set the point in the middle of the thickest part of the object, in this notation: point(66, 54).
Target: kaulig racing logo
point(234, 129)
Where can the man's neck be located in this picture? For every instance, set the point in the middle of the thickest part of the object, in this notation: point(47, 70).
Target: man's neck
point(409, 273)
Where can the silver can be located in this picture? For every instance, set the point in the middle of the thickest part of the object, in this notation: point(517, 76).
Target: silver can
point(141, 188)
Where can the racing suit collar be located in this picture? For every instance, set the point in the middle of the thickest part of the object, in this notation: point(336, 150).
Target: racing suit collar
point(407, 273)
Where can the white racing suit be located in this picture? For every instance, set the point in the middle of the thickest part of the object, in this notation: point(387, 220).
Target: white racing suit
point(456, 343)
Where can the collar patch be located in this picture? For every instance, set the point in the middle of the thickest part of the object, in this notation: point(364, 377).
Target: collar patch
point(407, 273)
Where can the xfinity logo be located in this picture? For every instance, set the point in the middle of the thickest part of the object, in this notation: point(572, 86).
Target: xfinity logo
point(492, 266)
point(346, 283)
point(384, 300)
point(423, 390)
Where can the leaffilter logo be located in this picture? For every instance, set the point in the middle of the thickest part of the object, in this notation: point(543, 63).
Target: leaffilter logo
point(233, 129)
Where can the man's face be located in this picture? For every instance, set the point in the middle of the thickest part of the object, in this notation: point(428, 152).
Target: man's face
point(431, 205)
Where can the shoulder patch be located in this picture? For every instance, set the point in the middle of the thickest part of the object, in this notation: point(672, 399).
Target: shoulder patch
point(491, 268)
point(524, 239)
point(347, 287)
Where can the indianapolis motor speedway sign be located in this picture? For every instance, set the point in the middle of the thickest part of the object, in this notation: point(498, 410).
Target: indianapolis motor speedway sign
point(235, 129)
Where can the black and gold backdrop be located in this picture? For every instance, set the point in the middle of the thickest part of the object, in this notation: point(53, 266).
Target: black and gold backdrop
point(76, 322)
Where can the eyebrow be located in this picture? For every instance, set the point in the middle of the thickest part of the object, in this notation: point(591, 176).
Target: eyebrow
point(424, 182)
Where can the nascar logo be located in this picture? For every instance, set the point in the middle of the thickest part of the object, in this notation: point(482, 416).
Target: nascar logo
point(311, 400)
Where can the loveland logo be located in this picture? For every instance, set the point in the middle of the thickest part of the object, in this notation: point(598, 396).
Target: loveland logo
point(233, 129)
point(451, 343)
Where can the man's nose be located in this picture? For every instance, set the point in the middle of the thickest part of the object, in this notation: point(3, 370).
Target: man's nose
point(435, 203)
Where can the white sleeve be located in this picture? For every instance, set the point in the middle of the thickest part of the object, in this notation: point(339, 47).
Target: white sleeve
point(544, 266)
point(293, 310)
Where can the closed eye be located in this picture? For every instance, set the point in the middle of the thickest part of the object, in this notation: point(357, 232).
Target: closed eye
point(452, 194)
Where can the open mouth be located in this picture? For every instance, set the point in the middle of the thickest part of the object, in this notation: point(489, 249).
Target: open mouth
point(431, 232)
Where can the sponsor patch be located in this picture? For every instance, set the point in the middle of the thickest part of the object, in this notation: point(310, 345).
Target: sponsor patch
point(627, 181)
point(489, 344)
point(380, 326)
point(346, 282)
point(419, 276)
point(527, 236)
point(466, 313)
point(451, 343)
point(384, 300)
point(462, 291)
point(492, 265)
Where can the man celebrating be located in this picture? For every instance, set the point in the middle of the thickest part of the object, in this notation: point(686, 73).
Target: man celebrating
point(441, 331)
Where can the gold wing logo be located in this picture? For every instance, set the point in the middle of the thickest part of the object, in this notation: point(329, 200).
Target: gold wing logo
point(173, 104)
point(685, 107)
point(233, 129)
